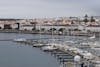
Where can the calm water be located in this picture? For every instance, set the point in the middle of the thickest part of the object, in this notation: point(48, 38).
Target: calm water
point(21, 55)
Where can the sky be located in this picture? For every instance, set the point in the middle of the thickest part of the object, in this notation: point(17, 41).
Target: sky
point(48, 8)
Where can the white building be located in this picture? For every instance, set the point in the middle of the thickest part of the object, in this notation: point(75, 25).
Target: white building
point(93, 28)
point(8, 24)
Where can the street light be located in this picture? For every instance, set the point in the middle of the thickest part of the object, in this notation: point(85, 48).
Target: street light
point(77, 60)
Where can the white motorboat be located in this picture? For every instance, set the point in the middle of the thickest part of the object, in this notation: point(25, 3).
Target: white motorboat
point(84, 44)
point(97, 63)
point(70, 42)
point(20, 40)
point(66, 48)
point(72, 49)
point(50, 47)
point(95, 46)
point(88, 55)
point(38, 45)
point(92, 37)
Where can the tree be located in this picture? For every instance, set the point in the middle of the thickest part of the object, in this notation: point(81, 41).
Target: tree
point(42, 29)
point(76, 29)
point(72, 22)
point(53, 29)
point(33, 29)
point(88, 31)
point(25, 29)
point(86, 18)
point(92, 19)
point(61, 29)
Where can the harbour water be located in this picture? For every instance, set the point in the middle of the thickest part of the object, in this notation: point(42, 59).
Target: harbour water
point(20, 55)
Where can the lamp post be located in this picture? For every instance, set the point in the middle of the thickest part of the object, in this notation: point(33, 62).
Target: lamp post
point(77, 60)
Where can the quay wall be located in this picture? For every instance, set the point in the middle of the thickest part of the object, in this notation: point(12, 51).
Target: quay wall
point(48, 32)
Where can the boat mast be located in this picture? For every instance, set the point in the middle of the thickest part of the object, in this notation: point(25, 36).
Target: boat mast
point(40, 32)
point(52, 34)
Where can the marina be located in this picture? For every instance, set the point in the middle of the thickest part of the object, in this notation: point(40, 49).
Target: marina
point(64, 53)
point(68, 54)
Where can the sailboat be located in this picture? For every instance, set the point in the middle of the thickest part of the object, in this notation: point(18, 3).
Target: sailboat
point(39, 44)
point(52, 45)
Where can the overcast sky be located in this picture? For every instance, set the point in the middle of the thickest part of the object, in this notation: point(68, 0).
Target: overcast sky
point(48, 8)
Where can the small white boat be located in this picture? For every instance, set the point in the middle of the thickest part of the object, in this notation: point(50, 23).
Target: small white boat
point(97, 63)
point(72, 49)
point(66, 48)
point(50, 47)
point(92, 37)
point(88, 55)
point(38, 45)
point(95, 46)
point(84, 44)
point(20, 40)
point(70, 42)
